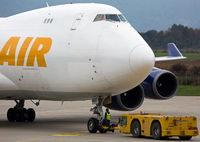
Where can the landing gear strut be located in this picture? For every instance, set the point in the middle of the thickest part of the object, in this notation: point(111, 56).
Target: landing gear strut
point(95, 124)
point(20, 114)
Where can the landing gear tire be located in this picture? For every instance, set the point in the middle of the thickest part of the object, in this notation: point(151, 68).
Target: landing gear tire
point(101, 130)
point(93, 125)
point(19, 115)
point(104, 123)
point(11, 115)
point(136, 129)
point(156, 130)
point(31, 115)
point(185, 138)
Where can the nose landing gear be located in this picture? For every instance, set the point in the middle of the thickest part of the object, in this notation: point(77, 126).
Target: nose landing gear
point(95, 124)
point(20, 114)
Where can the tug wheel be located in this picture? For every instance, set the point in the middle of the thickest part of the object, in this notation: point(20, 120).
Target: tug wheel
point(185, 138)
point(156, 130)
point(136, 128)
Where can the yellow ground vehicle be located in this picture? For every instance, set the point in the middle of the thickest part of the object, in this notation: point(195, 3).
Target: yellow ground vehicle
point(157, 126)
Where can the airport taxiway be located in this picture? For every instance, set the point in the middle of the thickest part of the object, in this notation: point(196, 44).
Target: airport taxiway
point(67, 122)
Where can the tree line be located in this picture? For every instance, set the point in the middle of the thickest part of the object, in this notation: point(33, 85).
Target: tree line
point(185, 38)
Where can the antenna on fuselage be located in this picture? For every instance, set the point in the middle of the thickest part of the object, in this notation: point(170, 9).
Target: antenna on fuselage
point(47, 4)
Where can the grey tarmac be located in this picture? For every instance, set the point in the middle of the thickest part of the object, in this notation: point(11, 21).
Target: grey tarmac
point(68, 122)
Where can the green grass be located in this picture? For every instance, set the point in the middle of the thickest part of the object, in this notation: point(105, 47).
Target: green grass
point(188, 91)
point(160, 54)
point(190, 56)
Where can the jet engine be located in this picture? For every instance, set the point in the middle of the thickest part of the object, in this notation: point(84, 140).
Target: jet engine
point(160, 84)
point(128, 101)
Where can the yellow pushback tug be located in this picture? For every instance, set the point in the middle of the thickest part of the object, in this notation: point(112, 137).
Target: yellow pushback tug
point(156, 126)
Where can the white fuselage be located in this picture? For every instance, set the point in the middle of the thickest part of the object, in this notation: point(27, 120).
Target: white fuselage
point(86, 58)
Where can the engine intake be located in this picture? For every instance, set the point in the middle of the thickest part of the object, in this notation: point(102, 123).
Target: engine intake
point(129, 100)
point(160, 84)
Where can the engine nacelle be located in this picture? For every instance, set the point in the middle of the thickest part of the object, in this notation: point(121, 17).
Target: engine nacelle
point(129, 100)
point(160, 84)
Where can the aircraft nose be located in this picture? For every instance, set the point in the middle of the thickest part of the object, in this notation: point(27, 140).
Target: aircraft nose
point(142, 60)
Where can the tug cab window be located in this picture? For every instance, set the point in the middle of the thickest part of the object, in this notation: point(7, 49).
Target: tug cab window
point(123, 121)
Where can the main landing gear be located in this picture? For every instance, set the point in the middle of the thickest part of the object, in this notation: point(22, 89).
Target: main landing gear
point(20, 114)
point(95, 124)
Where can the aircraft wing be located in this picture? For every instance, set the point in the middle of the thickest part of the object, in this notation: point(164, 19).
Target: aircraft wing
point(173, 54)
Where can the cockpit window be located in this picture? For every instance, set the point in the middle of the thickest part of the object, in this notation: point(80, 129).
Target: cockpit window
point(112, 17)
point(99, 17)
point(122, 18)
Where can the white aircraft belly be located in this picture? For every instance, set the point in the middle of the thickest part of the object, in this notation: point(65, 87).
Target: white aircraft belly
point(54, 96)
